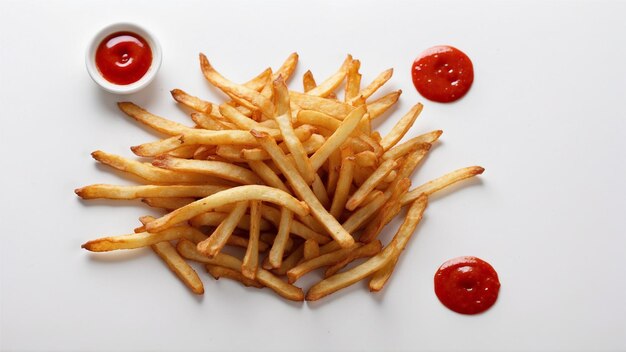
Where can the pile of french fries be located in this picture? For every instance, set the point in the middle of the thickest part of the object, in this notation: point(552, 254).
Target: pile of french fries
point(297, 179)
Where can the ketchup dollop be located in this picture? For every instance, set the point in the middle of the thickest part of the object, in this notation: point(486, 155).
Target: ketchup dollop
point(123, 58)
point(467, 285)
point(443, 74)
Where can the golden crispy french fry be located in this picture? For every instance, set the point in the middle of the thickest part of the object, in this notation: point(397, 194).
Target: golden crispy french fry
point(366, 159)
point(244, 122)
point(419, 142)
point(268, 176)
point(231, 195)
point(311, 249)
point(242, 242)
point(320, 191)
point(378, 107)
point(287, 68)
point(147, 171)
point(278, 248)
point(186, 151)
point(332, 82)
point(251, 258)
point(359, 217)
point(378, 82)
point(375, 178)
point(235, 90)
point(283, 118)
point(138, 240)
point(168, 203)
point(323, 260)
point(397, 244)
point(344, 182)
point(214, 244)
point(327, 106)
point(442, 182)
point(219, 272)
point(353, 81)
point(338, 137)
point(193, 137)
point(308, 81)
point(215, 218)
point(378, 280)
point(401, 127)
point(372, 143)
point(317, 118)
point(334, 165)
point(188, 250)
point(290, 261)
point(158, 123)
point(302, 190)
point(220, 169)
point(364, 251)
point(133, 192)
point(191, 101)
point(179, 266)
point(386, 213)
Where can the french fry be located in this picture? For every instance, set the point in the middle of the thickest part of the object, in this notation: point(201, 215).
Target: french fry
point(334, 164)
point(214, 218)
point(317, 118)
point(214, 244)
point(364, 251)
point(332, 82)
point(366, 159)
point(278, 248)
point(442, 182)
point(308, 82)
point(310, 146)
point(179, 266)
point(251, 259)
point(219, 272)
point(302, 190)
point(133, 192)
point(397, 244)
point(137, 240)
point(297, 227)
point(268, 176)
point(375, 178)
point(378, 82)
point(287, 68)
point(147, 171)
point(220, 169)
point(359, 217)
point(378, 107)
point(320, 191)
point(231, 195)
point(192, 102)
point(353, 81)
point(387, 212)
point(401, 127)
point(379, 278)
point(311, 249)
point(327, 106)
point(291, 261)
point(338, 137)
point(157, 123)
point(344, 182)
point(193, 137)
point(168, 203)
point(320, 261)
point(412, 145)
point(232, 89)
point(283, 118)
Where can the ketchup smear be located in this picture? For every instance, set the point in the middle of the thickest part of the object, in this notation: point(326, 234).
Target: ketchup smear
point(123, 58)
point(467, 285)
point(443, 74)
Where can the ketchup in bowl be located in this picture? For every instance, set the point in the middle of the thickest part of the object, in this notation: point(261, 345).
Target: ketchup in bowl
point(442, 74)
point(123, 57)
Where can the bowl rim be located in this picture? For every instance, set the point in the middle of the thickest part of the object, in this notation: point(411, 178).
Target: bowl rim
point(148, 77)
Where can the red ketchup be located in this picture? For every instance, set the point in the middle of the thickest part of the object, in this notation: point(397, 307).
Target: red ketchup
point(443, 74)
point(467, 285)
point(123, 58)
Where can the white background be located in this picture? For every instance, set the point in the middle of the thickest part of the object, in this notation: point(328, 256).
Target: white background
point(545, 117)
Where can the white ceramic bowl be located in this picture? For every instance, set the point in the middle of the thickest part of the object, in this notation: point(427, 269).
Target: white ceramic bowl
point(90, 59)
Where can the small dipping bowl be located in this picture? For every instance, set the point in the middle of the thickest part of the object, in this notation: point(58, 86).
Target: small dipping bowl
point(96, 75)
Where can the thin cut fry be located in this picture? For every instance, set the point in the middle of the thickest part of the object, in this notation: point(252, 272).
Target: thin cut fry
point(287, 68)
point(412, 145)
point(401, 127)
point(320, 190)
point(214, 244)
point(297, 227)
point(369, 185)
point(214, 218)
point(137, 240)
point(219, 272)
point(278, 248)
point(168, 203)
point(220, 169)
point(334, 164)
point(344, 182)
point(359, 217)
point(378, 82)
point(323, 260)
point(442, 182)
point(251, 259)
point(330, 84)
point(133, 192)
point(179, 266)
point(192, 102)
point(308, 82)
point(378, 107)
point(231, 195)
point(353, 81)
point(386, 213)
point(364, 251)
point(158, 123)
